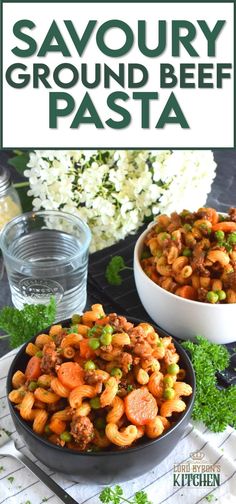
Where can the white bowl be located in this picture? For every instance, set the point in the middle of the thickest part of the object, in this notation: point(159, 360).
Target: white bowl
point(182, 317)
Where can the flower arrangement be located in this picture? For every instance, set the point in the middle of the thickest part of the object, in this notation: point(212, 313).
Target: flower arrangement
point(116, 191)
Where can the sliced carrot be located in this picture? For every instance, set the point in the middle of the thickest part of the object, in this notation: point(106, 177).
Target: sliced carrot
point(102, 321)
point(57, 426)
point(226, 226)
point(33, 369)
point(140, 406)
point(187, 292)
point(71, 374)
point(154, 276)
point(85, 351)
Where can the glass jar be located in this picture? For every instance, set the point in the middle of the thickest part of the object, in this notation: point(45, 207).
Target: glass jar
point(10, 205)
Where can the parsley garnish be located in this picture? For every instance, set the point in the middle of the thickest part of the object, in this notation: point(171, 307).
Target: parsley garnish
point(113, 269)
point(129, 388)
point(21, 325)
point(210, 498)
point(11, 479)
point(1, 468)
point(214, 407)
point(115, 496)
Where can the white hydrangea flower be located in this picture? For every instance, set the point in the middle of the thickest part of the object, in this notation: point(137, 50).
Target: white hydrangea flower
point(114, 191)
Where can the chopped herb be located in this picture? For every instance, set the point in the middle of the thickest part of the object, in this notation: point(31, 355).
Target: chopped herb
point(145, 254)
point(129, 388)
point(7, 432)
point(210, 498)
point(113, 269)
point(115, 496)
point(20, 325)
point(1, 468)
point(214, 407)
point(11, 479)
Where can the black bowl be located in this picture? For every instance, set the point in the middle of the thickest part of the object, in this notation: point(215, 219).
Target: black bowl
point(105, 467)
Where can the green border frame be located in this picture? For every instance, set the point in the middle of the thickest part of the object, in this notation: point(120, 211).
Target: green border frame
point(114, 1)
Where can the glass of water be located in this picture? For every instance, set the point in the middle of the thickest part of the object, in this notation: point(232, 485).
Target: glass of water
point(46, 254)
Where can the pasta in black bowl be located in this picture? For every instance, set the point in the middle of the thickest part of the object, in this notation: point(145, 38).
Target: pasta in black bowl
point(91, 394)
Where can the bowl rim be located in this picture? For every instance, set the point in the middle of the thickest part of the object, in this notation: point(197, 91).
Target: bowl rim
point(75, 453)
point(137, 264)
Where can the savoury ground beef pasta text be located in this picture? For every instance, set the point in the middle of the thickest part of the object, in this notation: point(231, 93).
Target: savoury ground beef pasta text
point(101, 383)
point(193, 255)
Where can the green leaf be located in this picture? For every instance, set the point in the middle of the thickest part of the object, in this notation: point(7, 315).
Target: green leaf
point(19, 162)
point(113, 269)
point(26, 201)
point(214, 407)
point(21, 325)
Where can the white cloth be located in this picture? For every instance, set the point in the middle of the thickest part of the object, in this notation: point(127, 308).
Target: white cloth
point(217, 448)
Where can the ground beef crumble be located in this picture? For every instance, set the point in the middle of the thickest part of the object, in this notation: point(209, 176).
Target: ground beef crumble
point(51, 358)
point(82, 431)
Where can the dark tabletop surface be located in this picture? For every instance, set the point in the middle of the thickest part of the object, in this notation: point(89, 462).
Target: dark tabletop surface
point(222, 196)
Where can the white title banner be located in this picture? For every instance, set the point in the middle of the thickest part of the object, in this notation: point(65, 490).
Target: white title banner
point(118, 75)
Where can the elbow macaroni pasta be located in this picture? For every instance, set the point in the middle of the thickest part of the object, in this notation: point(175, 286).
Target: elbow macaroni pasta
point(193, 254)
point(124, 438)
point(79, 398)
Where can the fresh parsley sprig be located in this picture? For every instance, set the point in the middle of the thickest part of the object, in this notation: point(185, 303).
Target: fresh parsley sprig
point(113, 270)
point(115, 495)
point(21, 325)
point(214, 407)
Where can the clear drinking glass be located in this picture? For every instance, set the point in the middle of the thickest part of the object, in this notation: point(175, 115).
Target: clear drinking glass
point(45, 254)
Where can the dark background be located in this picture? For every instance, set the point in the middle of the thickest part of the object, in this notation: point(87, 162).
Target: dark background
point(222, 196)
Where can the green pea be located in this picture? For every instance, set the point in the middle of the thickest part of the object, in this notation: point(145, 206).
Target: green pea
point(94, 343)
point(221, 295)
point(187, 252)
point(106, 339)
point(66, 436)
point(168, 381)
point(76, 319)
point(212, 297)
point(232, 238)
point(100, 423)
point(32, 386)
point(187, 227)
point(39, 354)
point(116, 372)
point(158, 229)
point(107, 329)
point(47, 430)
point(169, 393)
point(89, 365)
point(95, 403)
point(173, 369)
point(145, 254)
point(219, 235)
point(165, 236)
point(73, 329)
